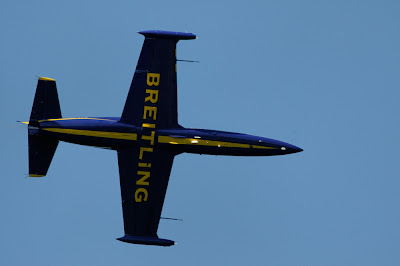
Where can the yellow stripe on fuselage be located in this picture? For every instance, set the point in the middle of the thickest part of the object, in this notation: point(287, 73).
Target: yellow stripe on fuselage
point(92, 133)
point(161, 139)
point(263, 147)
point(211, 143)
point(76, 118)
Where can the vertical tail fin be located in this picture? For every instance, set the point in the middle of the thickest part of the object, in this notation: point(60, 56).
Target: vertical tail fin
point(45, 106)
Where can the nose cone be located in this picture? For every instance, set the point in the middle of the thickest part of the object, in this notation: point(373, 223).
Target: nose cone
point(281, 147)
point(289, 148)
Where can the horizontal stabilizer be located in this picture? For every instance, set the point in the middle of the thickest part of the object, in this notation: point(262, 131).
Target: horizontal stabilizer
point(46, 104)
point(41, 152)
point(146, 240)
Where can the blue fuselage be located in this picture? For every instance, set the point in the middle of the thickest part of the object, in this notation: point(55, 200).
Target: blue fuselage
point(110, 133)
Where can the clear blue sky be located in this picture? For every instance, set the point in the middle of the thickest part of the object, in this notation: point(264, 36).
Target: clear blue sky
point(323, 75)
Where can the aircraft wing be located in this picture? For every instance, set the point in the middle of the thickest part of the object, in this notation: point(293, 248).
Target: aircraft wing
point(154, 82)
point(144, 169)
point(143, 186)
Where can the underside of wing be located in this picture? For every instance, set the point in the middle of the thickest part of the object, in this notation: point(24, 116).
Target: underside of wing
point(153, 91)
point(144, 174)
point(151, 105)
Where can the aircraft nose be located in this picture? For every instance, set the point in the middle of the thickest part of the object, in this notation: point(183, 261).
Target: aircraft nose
point(289, 148)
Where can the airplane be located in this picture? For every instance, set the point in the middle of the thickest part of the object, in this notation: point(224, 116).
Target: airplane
point(146, 137)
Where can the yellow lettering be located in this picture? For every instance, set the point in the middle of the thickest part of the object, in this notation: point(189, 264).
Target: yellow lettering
point(151, 138)
point(153, 79)
point(148, 125)
point(142, 196)
point(152, 112)
point(153, 96)
point(142, 150)
point(142, 181)
point(144, 165)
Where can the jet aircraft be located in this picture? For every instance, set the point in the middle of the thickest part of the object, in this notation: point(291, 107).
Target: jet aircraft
point(146, 137)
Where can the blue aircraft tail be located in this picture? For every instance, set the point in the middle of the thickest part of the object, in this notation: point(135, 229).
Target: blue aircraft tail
point(45, 106)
